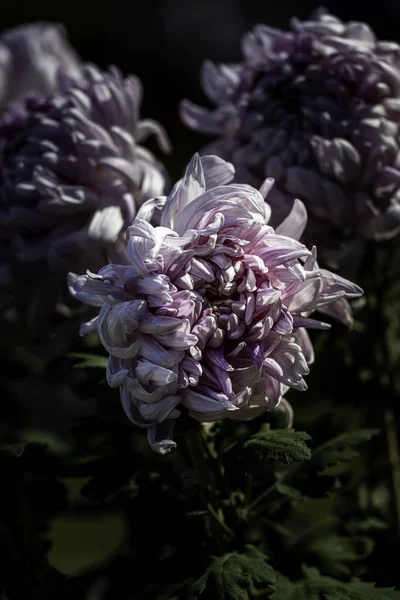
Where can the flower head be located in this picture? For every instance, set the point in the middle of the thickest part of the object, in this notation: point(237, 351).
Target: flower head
point(318, 109)
point(211, 312)
point(73, 173)
point(30, 56)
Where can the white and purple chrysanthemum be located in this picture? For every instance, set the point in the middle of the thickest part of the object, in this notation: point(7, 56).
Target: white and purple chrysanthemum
point(211, 313)
point(318, 109)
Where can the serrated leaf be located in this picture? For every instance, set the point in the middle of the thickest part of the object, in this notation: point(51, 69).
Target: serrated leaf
point(89, 360)
point(228, 576)
point(315, 586)
point(286, 445)
point(340, 449)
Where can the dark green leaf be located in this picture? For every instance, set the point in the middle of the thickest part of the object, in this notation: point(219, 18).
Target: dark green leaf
point(315, 586)
point(228, 576)
point(89, 360)
point(340, 449)
point(286, 445)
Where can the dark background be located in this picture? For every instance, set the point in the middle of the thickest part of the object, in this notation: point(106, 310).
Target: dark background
point(165, 41)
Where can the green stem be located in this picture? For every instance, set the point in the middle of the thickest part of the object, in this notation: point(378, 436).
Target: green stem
point(205, 463)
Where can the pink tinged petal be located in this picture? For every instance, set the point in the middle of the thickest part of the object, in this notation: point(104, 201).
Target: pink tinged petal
point(115, 375)
point(155, 352)
point(89, 326)
point(334, 286)
point(149, 373)
point(272, 368)
point(299, 321)
point(256, 353)
point(160, 299)
point(266, 187)
point(272, 344)
point(184, 281)
point(190, 187)
point(158, 325)
point(305, 297)
point(249, 283)
point(274, 256)
point(158, 411)
point(235, 201)
point(204, 407)
point(160, 437)
point(204, 330)
point(295, 223)
point(201, 269)
point(123, 319)
point(192, 369)
point(79, 289)
point(130, 409)
point(260, 330)
point(250, 307)
point(195, 352)
point(217, 338)
point(284, 324)
point(311, 261)
point(216, 357)
point(239, 307)
point(216, 170)
point(179, 340)
point(138, 392)
point(303, 340)
point(273, 392)
point(153, 284)
point(238, 332)
point(115, 348)
point(265, 297)
point(148, 208)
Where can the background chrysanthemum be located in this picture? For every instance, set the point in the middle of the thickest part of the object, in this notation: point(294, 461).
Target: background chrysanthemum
point(73, 172)
point(318, 109)
point(211, 313)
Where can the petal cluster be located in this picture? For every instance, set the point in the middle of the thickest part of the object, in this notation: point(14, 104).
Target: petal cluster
point(73, 173)
point(211, 313)
point(317, 108)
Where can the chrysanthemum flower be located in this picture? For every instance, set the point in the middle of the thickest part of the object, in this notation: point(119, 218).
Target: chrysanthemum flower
point(73, 173)
point(211, 314)
point(30, 56)
point(318, 109)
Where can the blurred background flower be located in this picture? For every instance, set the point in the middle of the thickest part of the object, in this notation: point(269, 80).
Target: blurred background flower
point(318, 109)
point(73, 173)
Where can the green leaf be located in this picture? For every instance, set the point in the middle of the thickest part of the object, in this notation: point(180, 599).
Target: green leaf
point(340, 449)
point(315, 586)
point(89, 360)
point(80, 543)
point(228, 576)
point(289, 491)
point(286, 445)
point(318, 587)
